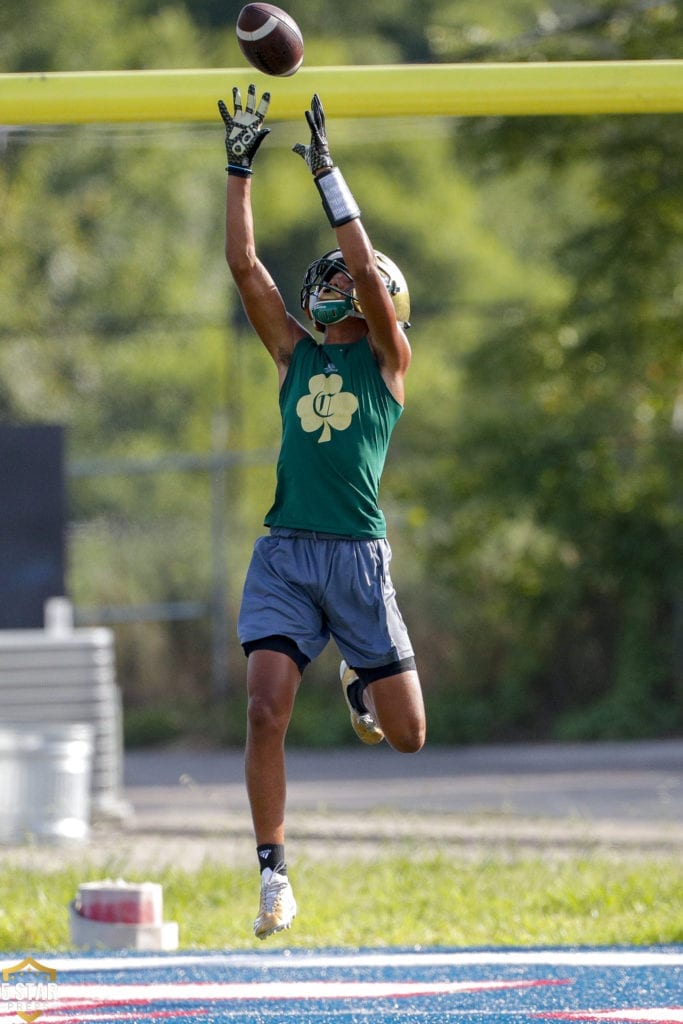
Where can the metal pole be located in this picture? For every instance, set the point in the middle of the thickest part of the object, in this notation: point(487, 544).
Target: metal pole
point(219, 569)
point(677, 429)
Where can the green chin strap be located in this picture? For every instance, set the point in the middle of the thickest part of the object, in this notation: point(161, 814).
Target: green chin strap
point(331, 311)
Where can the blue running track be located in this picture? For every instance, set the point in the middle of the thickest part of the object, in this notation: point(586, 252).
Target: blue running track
point(425, 986)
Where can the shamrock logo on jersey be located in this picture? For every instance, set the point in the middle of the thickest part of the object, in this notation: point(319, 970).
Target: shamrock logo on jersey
point(326, 406)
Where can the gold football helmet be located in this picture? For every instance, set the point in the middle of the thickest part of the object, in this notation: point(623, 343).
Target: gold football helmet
point(324, 312)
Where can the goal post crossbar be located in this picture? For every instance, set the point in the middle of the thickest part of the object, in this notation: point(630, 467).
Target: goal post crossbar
point(406, 90)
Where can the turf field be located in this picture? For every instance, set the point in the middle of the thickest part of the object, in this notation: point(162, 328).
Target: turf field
point(429, 986)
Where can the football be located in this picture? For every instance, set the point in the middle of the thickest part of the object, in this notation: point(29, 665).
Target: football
point(270, 39)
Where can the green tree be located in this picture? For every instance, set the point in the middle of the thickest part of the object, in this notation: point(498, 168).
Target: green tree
point(564, 553)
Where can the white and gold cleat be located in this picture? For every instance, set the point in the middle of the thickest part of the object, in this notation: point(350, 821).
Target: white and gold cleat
point(277, 908)
point(364, 725)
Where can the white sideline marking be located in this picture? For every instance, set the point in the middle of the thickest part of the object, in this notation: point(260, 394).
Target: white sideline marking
point(299, 960)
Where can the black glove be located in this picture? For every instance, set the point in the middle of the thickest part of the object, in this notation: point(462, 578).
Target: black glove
point(317, 155)
point(243, 131)
point(338, 202)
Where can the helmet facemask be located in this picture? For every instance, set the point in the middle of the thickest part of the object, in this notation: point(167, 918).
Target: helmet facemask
point(328, 310)
point(324, 312)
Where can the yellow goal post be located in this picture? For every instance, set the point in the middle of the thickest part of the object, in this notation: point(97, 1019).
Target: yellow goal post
point(405, 90)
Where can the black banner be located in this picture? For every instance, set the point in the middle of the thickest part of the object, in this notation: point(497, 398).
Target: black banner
point(32, 522)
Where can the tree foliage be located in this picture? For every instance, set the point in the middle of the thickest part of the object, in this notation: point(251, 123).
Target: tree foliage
point(534, 484)
point(583, 499)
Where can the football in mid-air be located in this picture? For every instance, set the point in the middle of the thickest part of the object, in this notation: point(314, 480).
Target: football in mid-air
point(270, 39)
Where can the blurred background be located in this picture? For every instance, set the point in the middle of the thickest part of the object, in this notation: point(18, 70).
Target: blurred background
point(534, 489)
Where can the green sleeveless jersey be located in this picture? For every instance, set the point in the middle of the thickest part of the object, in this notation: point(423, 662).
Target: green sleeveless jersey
point(337, 419)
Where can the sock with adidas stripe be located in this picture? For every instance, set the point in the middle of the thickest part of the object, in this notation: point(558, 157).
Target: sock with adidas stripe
point(271, 855)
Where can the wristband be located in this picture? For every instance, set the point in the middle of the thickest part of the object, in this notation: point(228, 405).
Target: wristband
point(338, 201)
point(239, 171)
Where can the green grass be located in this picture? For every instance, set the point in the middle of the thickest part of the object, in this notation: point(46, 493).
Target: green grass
point(591, 900)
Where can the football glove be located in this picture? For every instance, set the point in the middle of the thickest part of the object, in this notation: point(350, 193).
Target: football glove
point(317, 154)
point(243, 131)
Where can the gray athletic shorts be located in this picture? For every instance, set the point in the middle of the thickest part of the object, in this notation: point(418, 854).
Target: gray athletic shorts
point(307, 589)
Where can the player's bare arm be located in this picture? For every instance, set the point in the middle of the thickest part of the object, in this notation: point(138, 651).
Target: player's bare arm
point(262, 301)
point(261, 298)
point(385, 334)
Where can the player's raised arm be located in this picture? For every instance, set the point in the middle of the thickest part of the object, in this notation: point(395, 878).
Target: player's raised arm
point(374, 293)
point(262, 301)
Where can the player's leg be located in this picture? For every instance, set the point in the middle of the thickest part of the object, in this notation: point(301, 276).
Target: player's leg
point(272, 682)
point(395, 702)
point(382, 687)
point(277, 624)
point(386, 702)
